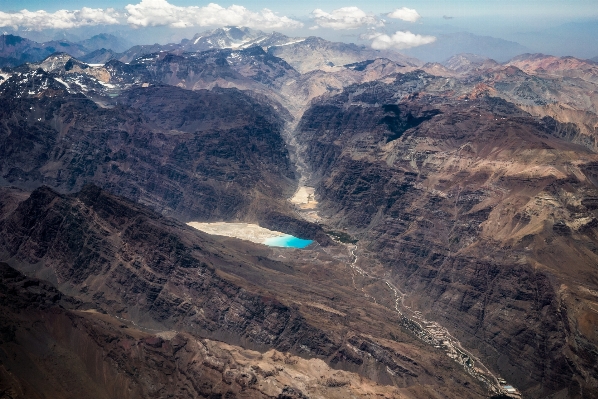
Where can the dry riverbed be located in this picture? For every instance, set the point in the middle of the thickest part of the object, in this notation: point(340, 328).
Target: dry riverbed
point(244, 231)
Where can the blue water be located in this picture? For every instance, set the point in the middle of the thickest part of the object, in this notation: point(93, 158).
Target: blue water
point(287, 242)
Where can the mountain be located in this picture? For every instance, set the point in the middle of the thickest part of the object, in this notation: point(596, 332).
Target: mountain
point(449, 44)
point(246, 69)
point(304, 54)
point(15, 50)
point(453, 209)
point(470, 63)
point(316, 53)
point(106, 41)
point(147, 287)
point(595, 59)
point(467, 203)
point(100, 56)
point(571, 67)
point(235, 38)
point(143, 50)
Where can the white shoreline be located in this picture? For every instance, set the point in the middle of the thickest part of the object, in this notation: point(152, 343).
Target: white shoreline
point(244, 231)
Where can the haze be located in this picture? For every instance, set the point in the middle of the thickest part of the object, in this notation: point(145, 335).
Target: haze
point(430, 30)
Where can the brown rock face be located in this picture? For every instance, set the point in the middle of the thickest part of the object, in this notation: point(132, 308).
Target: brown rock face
point(151, 271)
point(49, 347)
point(483, 214)
point(83, 251)
point(203, 155)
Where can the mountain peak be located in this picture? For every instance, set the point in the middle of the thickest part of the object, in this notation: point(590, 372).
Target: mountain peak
point(33, 83)
point(11, 40)
point(467, 62)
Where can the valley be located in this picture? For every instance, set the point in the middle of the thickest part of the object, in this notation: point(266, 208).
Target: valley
point(429, 332)
point(151, 205)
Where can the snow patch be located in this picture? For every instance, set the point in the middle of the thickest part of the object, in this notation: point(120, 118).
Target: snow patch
point(63, 82)
point(289, 43)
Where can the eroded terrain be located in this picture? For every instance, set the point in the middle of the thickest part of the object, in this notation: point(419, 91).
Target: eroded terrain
point(453, 206)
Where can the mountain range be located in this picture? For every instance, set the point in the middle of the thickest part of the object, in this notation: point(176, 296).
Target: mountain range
point(454, 220)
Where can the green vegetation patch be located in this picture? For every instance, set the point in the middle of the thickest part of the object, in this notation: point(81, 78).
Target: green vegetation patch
point(342, 237)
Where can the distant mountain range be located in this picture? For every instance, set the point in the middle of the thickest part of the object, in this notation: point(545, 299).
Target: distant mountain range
point(305, 54)
point(16, 50)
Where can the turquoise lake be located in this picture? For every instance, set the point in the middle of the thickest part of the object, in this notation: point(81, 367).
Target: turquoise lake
point(287, 242)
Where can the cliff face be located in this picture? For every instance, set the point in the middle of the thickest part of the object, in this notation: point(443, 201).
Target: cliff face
point(127, 258)
point(158, 275)
point(52, 346)
point(197, 155)
point(482, 213)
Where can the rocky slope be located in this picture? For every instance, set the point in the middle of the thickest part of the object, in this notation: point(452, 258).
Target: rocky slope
point(466, 64)
point(304, 54)
point(52, 346)
point(482, 213)
point(562, 88)
point(151, 287)
point(64, 127)
point(316, 53)
point(468, 211)
point(570, 67)
point(199, 155)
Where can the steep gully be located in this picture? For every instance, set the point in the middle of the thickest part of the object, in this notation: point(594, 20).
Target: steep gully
point(429, 332)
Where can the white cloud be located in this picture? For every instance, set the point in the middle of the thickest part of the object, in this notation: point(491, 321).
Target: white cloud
point(149, 13)
point(399, 40)
point(406, 14)
point(62, 19)
point(344, 18)
point(160, 13)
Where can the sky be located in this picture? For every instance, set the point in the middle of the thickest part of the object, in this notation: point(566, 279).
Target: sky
point(537, 25)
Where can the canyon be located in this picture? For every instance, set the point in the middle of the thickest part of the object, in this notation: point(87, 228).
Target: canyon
point(452, 208)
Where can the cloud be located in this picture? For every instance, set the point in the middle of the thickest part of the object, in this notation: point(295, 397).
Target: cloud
point(149, 13)
point(161, 13)
point(62, 19)
point(344, 18)
point(406, 14)
point(399, 40)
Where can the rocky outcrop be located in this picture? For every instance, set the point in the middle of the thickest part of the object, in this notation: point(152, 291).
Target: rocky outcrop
point(148, 269)
point(475, 208)
point(52, 346)
point(160, 275)
point(203, 155)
